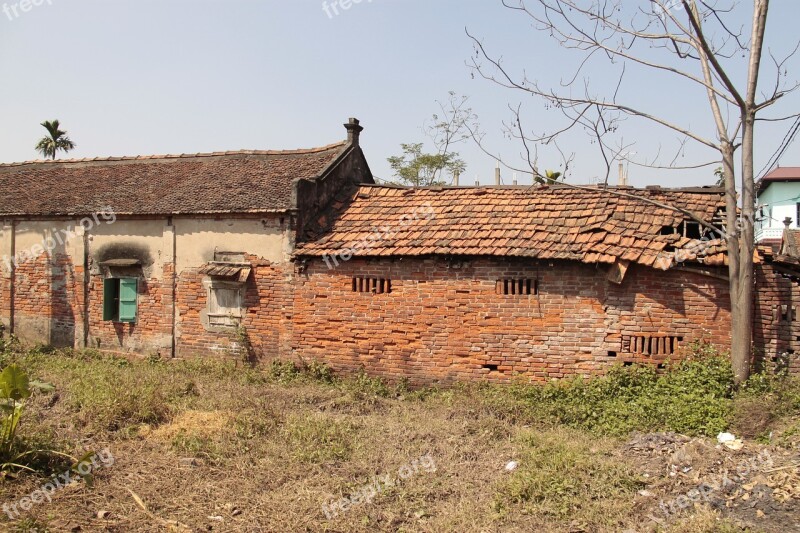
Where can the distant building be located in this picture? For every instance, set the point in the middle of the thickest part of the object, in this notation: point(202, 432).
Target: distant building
point(778, 204)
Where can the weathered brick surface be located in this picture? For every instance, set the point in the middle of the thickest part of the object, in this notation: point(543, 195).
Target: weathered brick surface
point(776, 327)
point(5, 297)
point(267, 315)
point(442, 321)
point(48, 297)
point(152, 331)
point(447, 322)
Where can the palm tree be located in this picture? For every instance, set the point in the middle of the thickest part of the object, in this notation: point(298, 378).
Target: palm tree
point(57, 140)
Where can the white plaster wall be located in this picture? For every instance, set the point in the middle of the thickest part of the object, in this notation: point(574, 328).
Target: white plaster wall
point(147, 235)
point(59, 236)
point(197, 239)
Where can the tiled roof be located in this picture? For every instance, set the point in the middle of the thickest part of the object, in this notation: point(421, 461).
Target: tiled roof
point(219, 182)
point(556, 222)
point(779, 174)
point(784, 173)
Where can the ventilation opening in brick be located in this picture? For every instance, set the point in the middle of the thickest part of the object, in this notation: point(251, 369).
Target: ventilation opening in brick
point(518, 287)
point(651, 344)
point(372, 285)
point(492, 368)
point(788, 313)
point(612, 354)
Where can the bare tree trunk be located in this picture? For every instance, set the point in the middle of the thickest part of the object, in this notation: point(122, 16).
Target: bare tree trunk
point(681, 28)
point(741, 321)
point(742, 282)
point(742, 298)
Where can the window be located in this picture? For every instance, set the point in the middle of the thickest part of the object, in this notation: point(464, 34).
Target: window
point(373, 285)
point(518, 287)
point(119, 299)
point(224, 303)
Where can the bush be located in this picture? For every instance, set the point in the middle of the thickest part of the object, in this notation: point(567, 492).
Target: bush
point(317, 371)
point(693, 396)
point(363, 386)
point(283, 371)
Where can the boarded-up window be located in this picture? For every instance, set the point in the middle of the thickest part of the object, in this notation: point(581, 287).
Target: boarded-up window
point(224, 305)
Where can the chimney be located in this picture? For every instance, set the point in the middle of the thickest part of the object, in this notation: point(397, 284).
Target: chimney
point(623, 179)
point(497, 174)
point(477, 181)
point(787, 222)
point(515, 178)
point(353, 131)
point(456, 175)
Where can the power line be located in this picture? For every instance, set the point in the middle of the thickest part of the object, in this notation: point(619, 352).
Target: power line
point(787, 141)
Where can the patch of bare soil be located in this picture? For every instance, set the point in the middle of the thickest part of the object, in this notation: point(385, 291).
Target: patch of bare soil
point(757, 487)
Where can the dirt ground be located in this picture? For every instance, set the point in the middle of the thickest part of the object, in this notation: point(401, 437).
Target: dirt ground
point(202, 448)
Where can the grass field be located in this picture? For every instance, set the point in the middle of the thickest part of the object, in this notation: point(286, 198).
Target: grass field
point(219, 446)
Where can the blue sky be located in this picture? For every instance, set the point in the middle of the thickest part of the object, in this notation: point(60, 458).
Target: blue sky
point(180, 76)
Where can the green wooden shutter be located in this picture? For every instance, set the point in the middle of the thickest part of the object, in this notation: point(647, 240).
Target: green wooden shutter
point(110, 299)
point(127, 299)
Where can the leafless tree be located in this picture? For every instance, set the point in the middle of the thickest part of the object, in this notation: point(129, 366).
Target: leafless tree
point(450, 126)
point(693, 40)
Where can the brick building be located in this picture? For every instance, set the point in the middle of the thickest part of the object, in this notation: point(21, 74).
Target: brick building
point(300, 252)
point(463, 282)
point(162, 254)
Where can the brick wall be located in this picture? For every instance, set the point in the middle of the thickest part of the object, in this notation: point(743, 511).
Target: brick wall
point(152, 332)
point(442, 321)
point(267, 315)
point(776, 327)
point(5, 298)
point(48, 298)
point(446, 322)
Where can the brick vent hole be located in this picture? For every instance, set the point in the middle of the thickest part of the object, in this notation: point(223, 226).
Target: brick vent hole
point(372, 285)
point(518, 287)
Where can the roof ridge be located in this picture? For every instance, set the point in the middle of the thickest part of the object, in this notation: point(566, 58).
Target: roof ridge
point(559, 186)
point(167, 157)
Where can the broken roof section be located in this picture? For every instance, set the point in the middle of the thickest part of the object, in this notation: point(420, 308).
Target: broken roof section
point(248, 181)
point(591, 225)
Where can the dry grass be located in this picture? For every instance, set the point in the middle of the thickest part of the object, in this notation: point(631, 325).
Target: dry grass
point(215, 446)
